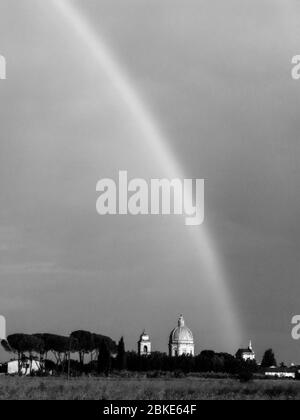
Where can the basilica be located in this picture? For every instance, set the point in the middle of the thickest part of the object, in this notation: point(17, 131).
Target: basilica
point(181, 341)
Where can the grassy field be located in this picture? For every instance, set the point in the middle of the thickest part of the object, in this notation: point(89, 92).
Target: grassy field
point(145, 389)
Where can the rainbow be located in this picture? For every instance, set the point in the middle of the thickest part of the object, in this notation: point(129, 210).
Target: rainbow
point(161, 149)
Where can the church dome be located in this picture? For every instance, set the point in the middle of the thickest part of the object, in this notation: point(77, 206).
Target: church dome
point(181, 334)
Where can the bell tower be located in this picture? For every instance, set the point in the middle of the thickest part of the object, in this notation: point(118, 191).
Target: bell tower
point(144, 345)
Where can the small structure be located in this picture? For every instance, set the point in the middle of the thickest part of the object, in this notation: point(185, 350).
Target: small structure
point(181, 341)
point(144, 345)
point(26, 368)
point(247, 355)
point(281, 373)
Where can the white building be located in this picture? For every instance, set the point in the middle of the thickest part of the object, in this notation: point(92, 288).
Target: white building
point(248, 355)
point(281, 373)
point(181, 340)
point(144, 345)
point(27, 367)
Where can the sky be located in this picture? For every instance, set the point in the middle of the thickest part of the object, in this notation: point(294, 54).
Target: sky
point(216, 78)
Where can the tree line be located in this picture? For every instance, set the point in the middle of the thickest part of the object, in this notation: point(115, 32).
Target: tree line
point(84, 352)
point(57, 352)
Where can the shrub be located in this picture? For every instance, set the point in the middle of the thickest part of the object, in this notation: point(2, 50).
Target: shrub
point(246, 376)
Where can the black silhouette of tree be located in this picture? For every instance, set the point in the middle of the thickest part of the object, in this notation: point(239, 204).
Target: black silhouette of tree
point(269, 359)
point(121, 357)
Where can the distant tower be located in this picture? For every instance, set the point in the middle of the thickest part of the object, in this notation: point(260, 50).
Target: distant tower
point(248, 355)
point(144, 345)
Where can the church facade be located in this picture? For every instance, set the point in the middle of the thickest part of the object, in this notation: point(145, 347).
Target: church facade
point(181, 341)
point(247, 355)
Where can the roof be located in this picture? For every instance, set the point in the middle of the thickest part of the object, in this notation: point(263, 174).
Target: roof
point(181, 334)
point(245, 351)
point(274, 369)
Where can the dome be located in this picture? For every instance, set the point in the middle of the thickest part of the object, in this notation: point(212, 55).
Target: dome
point(181, 334)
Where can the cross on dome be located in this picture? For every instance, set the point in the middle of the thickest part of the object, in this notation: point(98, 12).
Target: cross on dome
point(181, 321)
